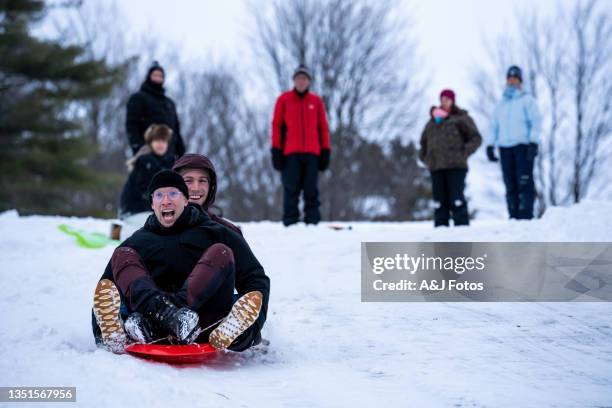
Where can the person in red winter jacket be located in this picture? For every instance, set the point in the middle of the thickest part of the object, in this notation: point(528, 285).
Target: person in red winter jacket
point(300, 147)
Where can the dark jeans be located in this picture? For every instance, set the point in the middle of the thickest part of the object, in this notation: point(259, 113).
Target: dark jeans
point(208, 289)
point(518, 178)
point(447, 190)
point(301, 174)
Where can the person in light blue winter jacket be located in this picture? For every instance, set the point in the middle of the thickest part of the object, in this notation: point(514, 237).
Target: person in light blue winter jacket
point(516, 128)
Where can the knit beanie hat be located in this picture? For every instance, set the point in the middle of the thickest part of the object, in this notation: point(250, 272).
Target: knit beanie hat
point(155, 66)
point(515, 72)
point(302, 69)
point(449, 94)
point(167, 178)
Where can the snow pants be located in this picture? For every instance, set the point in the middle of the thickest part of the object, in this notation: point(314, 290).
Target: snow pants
point(208, 289)
point(300, 174)
point(447, 190)
point(517, 170)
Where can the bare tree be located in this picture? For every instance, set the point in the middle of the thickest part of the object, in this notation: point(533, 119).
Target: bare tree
point(551, 64)
point(365, 75)
point(566, 58)
point(363, 70)
point(97, 26)
point(591, 80)
point(221, 125)
point(543, 47)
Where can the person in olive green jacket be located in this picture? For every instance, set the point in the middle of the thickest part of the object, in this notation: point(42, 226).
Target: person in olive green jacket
point(448, 139)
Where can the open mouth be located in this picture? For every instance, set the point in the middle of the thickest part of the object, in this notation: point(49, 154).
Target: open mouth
point(167, 215)
point(194, 197)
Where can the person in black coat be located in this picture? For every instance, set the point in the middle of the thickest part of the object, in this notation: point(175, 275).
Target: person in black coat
point(182, 261)
point(148, 161)
point(151, 105)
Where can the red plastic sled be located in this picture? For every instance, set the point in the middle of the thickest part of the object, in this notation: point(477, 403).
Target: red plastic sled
point(173, 354)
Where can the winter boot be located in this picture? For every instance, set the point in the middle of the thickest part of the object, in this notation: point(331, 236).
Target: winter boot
point(107, 303)
point(138, 328)
point(243, 314)
point(182, 323)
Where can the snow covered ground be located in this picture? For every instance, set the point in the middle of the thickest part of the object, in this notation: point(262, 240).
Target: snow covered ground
point(326, 347)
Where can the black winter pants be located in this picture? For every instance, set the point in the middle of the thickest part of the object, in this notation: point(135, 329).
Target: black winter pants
point(518, 178)
point(300, 174)
point(447, 190)
point(208, 289)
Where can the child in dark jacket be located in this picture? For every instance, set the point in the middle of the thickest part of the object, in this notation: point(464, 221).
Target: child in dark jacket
point(150, 159)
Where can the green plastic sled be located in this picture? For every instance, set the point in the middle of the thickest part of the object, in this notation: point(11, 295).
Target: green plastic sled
point(91, 240)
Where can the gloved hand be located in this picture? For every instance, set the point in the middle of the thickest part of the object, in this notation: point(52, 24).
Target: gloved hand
point(324, 159)
point(278, 159)
point(491, 154)
point(532, 151)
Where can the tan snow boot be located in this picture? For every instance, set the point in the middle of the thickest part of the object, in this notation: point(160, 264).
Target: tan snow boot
point(107, 303)
point(243, 314)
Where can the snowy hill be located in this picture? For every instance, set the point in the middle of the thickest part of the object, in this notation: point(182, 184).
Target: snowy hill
point(326, 347)
point(485, 189)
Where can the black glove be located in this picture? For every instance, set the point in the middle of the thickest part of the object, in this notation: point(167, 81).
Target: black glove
point(532, 151)
point(278, 159)
point(324, 159)
point(491, 154)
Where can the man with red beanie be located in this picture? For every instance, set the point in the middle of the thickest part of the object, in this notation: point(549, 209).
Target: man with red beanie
point(300, 147)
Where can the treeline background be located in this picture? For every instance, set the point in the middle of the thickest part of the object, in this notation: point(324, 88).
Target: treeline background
point(67, 69)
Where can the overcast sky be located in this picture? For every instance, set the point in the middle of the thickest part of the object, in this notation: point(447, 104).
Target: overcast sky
point(448, 32)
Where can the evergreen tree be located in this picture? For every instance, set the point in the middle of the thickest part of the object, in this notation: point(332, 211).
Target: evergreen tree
point(44, 155)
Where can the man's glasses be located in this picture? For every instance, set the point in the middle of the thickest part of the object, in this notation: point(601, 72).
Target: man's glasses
point(158, 196)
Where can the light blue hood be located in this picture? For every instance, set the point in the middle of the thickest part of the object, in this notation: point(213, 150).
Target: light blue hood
point(516, 120)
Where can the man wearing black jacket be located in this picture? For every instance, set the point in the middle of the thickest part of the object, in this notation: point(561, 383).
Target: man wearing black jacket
point(151, 105)
point(176, 276)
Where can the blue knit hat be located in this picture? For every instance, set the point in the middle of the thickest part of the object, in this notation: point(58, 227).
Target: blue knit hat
point(515, 72)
